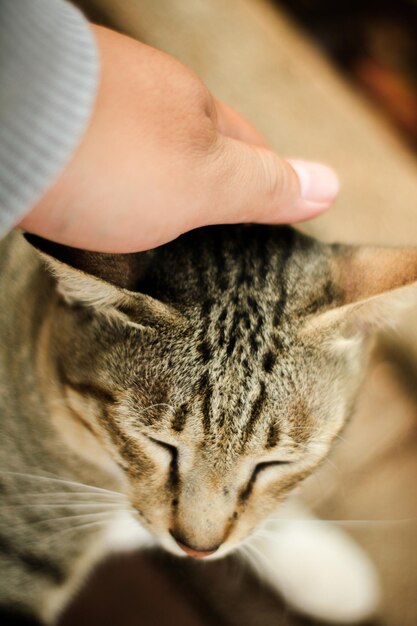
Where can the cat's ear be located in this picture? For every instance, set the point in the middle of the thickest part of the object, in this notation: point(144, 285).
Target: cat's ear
point(103, 281)
point(375, 285)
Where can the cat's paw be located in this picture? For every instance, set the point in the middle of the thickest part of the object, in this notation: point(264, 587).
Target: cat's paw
point(319, 570)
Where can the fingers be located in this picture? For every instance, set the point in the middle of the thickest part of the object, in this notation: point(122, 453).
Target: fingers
point(255, 184)
point(231, 124)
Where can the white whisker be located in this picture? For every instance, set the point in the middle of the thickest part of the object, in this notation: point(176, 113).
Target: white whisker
point(342, 522)
point(257, 555)
point(72, 518)
point(154, 406)
point(250, 557)
point(61, 505)
point(80, 527)
point(60, 480)
point(72, 495)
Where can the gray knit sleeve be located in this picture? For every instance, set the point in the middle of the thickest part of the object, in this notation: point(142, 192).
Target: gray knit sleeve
point(48, 81)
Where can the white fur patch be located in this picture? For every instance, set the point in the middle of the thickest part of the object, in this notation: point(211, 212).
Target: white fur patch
point(317, 568)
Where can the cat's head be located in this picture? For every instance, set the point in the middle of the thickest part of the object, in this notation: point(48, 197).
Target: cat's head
point(218, 369)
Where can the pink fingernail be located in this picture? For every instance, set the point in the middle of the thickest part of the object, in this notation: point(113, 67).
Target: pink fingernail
point(319, 183)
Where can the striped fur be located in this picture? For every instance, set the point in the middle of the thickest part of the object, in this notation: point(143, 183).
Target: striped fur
point(200, 380)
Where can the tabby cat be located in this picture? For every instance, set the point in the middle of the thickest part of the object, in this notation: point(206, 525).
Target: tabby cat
point(178, 396)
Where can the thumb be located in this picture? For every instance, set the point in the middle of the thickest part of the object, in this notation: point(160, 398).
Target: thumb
point(254, 184)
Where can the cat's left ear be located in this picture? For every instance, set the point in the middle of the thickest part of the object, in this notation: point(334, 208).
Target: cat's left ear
point(105, 282)
point(376, 286)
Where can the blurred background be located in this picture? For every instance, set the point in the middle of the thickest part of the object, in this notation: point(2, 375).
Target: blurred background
point(374, 44)
point(337, 82)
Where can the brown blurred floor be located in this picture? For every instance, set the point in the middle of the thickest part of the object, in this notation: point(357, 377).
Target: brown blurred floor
point(374, 484)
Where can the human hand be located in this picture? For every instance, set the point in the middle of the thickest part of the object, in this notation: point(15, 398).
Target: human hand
point(161, 156)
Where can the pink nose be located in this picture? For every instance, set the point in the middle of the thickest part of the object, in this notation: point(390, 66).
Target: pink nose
point(196, 554)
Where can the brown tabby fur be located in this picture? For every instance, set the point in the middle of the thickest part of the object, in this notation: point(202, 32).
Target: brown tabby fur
point(202, 381)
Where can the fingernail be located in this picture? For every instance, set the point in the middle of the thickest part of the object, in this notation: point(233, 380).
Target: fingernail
point(319, 183)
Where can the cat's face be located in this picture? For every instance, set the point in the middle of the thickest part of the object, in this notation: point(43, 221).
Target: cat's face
point(223, 387)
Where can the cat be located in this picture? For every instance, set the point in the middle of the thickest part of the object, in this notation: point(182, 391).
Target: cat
point(178, 396)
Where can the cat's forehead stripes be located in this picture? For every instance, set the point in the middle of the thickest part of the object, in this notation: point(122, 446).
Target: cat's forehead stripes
point(236, 328)
point(237, 331)
point(273, 436)
point(256, 413)
point(222, 371)
point(268, 361)
point(180, 418)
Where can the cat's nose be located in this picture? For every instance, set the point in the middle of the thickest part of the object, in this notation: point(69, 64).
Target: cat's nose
point(194, 552)
point(197, 554)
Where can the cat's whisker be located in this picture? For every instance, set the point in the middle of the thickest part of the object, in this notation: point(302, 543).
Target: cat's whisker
point(257, 555)
point(92, 524)
point(60, 480)
point(342, 439)
point(332, 465)
point(60, 402)
point(80, 527)
point(74, 496)
point(264, 535)
point(250, 557)
point(270, 531)
point(323, 489)
point(154, 406)
point(265, 531)
point(243, 549)
point(72, 518)
point(291, 434)
point(254, 549)
point(306, 448)
point(143, 410)
point(71, 495)
point(370, 522)
point(61, 505)
point(129, 439)
point(325, 459)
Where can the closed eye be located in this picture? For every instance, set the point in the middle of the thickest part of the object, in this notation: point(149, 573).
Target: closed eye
point(262, 466)
point(173, 476)
point(167, 446)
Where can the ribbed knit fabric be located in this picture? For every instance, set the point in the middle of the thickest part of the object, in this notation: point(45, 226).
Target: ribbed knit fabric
point(48, 81)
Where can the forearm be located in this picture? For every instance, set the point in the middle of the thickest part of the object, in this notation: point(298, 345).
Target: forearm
point(48, 82)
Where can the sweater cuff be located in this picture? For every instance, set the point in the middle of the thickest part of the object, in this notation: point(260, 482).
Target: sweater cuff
point(48, 82)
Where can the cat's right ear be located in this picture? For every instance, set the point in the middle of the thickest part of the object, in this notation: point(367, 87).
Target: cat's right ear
point(103, 281)
point(376, 286)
